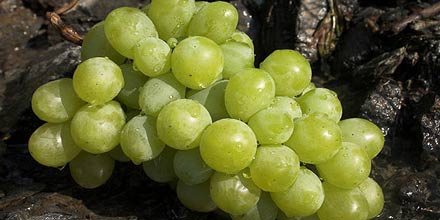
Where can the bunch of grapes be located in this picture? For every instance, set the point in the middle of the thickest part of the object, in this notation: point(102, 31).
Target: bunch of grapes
point(174, 87)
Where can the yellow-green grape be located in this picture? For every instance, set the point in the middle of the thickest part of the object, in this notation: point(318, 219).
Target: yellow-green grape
point(96, 128)
point(238, 52)
point(152, 56)
point(235, 194)
point(197, 62)
point(134, 80)
point(52, 145)
point(213, 99)
point(290, 71)
point(364, 133)
point(139, 139)
point(264, 210)
point(343, 204)
point(195, 197)
point(228, 145)
point(308, 88)
point(303, 198)
point(171, 17)
point(161, 168)
point(282, 216)
point(249, 92)
point(288, 105)
point(95, 44)
point(98, 80)
point(180, 123)
point(315, 139)
point(348, 168)
point(56, 101)
point(190, 167)
point(200, 5)
point(271, 126)
point(321, 100)
point(216, 20)
point(125, 26)
point(374, 195)
point(90, 171)
point(118, 155)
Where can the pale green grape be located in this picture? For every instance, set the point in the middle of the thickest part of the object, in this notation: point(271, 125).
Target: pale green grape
point(96, 128)
point(216, 20)
point(161, 169)
point(213, 99)
point(249, 92)
point(195, 197)
point(282, 216)
point(271, 126)
point(288, 105)
point(348, 168)
point(159, 91)
point(190, 167)
point(238, 53)
point(180, 123)
point(343, 204)
point(228, 145)
point(200, 5)
point(323, 101)
point(172, 42)
point(125, 26)
point(134, 80)
point(118, 155)
point(152, 56)
point(308, 88)
point(364, 133)
point(90, 171)
point(171, 17)
point(56, 101)
point(316, 138)
point(197, 62)
point(98, 80)
point(290, 71)
point(303, 198)
point(52, 145)
point(95, 44)
point(264, 210)
point(234, 193)
point(374, 195)
point(139, 139)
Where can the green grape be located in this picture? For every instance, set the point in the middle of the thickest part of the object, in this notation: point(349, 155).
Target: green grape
point(195, 197)
point(288, 105)
point(364, 133)
point(161, 169)
point(197, 62)
point(90, 171)
point(146, 8)
point(348, 168)
point(235, 194)
point(152, 56)
point(118, 155)
point(52, 145)
point(159, 91)
point(171, 17)
point(249, 92)
point(190, 167)
point(238, 53)
point(228, 145)
point(264, 210)
point(343, 204)
point(290, 71)
point(131, 113)
point(308, 88)
point(96, 128)
point(216, 20)
point(274, 168)
point(95, 44)
point(139, 140)
point(282, 216)
point(316, 138)
point(172, 42)
point(180, 123)
point(303, 198)
point(56, 101)
point(374, 195)
point(213, 99)
point(125, 26)
point(271, 126)
point(134, 80)
point(200, 5)
point(98, 80)
point(323, 101)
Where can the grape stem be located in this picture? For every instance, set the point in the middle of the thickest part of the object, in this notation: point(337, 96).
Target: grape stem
point(66, 31)
point(424, 13)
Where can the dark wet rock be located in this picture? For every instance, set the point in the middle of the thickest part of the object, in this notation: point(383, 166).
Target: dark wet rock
point(430, 129)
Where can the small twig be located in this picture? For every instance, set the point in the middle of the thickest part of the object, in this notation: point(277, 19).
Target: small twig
point(65, 30)
point(430, 11)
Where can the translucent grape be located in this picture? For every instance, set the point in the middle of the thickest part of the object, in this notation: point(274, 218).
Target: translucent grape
point(161, 169)
point(134, 80)
point(90, 171)
point(264, 210)
point(190, 168)
point(282, 216)
point(238, 53)
point(288, 105)
point(213, 99)
point(118, 155)
point(374, 195)
point(271, 126)
point(152, 56)
point(195, 197)
point(323, 101)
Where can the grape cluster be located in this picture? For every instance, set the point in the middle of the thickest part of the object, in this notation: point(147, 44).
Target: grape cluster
point(174, 87)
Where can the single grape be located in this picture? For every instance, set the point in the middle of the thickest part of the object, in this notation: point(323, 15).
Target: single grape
point(90, 171)
point(264, 210)
point(323, 101)
point(213, 99)
point(118, 155)
point(288, 105)
point(271, 126)
point(134, 80)
point(52, 145)
point(152, 56)
point(195, 197)
point(238, 53)
point(161, 169)
point(374, 195)
point(190, 167)
point(56, 101)
point(228, 145)
point(98, 80)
